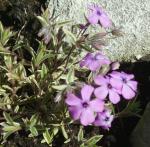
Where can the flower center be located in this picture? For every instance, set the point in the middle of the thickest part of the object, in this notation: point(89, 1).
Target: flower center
point(98, 13)
point(97, 57)
point(107, 118)
point(85, 104)
point(109, 86)
point(124, 80)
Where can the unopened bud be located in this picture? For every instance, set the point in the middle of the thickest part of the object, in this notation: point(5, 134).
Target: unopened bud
point(115, 65)
point(117, 32)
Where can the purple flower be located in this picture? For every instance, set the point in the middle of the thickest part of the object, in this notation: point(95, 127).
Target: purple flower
point(98, 16)
point(106, 88)
point(84, 108)
point(104, 119)
point(128, 85)
point(94, 61)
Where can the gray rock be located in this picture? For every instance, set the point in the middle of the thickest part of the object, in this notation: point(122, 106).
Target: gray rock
point(132, 16)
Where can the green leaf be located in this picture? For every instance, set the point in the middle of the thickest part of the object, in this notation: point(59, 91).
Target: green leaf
point(67, 141)
point(31, 51)
point(60, 87)
point(82, 145)
point(8, 61)
point(70, 76)
point(47, 136)
point(132, 109)
point(48, 56)
point(5, 34)
point(93, 140)
point(31, 80)
point(60, 24)
point(16, 109)
point(34, 131)
point(40, 54)
point(6, 135)
point(64, 132)
point(55, 130)
point(10, 128)
point(86, 47)
point(71, 36)
point(33, 120)
point(42, 21)
point(8, 118)
point(80, 134)
point(7, 87)
point(1, 27)
point(3, 50)
point(44, 71)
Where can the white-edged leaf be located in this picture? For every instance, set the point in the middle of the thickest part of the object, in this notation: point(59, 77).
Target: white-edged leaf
point(8, 118)
point(34, 131)
point(80, 134)
point(93, 140)
point(64, 132)
point(60, 87)
point(47, 136)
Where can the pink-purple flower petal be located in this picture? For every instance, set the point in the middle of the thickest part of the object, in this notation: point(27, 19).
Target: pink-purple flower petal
point(114, 97)
point(132, 84)
point(116, 75)
point(86, 60)
point(105, 21)
point(75, 112)
point(94, 61)
point(104, 119)
point(127, 92)
point(97, 105)
point(101, 92)
point(92, 19)
point(127, 76)
point(94, 65)
point(116, 83)
point(72, 100)
point(100, 80)
point(86, 92)
point(87, 117)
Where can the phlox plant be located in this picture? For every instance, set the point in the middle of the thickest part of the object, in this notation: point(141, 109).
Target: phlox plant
point(64, 85)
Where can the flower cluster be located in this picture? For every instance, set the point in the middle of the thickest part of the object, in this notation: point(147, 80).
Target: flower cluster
point(84, 107)
point(89, 110)
point(115, 84)
point(98, 16)
point(91, 105)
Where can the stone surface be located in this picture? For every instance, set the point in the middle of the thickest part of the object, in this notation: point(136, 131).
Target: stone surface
point(132, 16)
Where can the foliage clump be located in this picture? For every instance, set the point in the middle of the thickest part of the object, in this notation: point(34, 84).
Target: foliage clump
point(36, 89)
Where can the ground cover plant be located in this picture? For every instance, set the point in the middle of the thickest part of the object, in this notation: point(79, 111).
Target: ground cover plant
point(65, 86)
